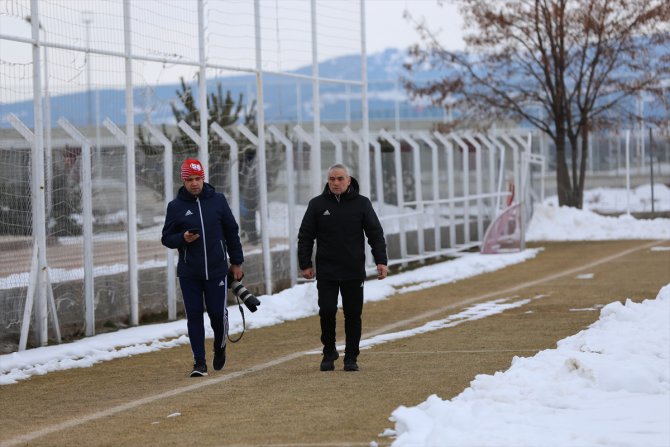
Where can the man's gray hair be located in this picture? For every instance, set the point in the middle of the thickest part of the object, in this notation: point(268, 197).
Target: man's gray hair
point(339, 166)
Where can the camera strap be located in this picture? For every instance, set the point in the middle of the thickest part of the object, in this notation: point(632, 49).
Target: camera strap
point(244, 323)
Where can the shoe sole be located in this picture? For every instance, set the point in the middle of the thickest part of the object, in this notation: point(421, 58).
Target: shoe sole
point(327, 368)
point(198, 374)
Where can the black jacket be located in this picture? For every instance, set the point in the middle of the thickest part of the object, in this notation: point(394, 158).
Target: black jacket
point(218, 232)
point(340, 227)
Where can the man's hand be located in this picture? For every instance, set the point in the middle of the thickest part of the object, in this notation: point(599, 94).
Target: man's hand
point(190, 237)
point(382, 271)
point(308, 273)
point(237, 272)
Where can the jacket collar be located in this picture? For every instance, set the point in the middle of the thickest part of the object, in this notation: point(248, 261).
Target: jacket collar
point(207, 191)
point(350, 193)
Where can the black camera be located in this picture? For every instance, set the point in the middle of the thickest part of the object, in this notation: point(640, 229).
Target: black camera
point(243, 293)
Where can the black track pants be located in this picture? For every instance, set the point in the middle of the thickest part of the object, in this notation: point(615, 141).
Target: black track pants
point(352, 304)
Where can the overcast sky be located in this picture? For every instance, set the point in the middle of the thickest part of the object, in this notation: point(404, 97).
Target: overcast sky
point(386, 26)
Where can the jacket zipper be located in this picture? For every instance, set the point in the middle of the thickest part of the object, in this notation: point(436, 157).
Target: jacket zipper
point(225, 254)
point(204, 239)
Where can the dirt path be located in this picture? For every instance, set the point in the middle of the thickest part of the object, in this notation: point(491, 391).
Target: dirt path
point(271, 392)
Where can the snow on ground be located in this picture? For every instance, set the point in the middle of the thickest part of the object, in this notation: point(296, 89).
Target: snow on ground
point(608, 385)
point(551, 223)
point(618, 200)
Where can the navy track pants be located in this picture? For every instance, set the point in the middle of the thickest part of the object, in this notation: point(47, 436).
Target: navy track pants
point(214, 292)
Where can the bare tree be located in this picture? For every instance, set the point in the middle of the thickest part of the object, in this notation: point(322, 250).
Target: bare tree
point(582, 62)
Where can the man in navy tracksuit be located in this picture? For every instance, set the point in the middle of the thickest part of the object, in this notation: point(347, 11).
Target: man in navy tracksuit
point(200, 225)
point(339, 219)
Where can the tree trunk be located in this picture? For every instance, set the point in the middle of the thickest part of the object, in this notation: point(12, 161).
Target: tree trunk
point(563, 187)
point(563, 183)
point(569, 180)
point(579, 190)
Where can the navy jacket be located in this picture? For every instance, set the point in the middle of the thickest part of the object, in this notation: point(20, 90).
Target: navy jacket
point(340, 227)
point(219, 233)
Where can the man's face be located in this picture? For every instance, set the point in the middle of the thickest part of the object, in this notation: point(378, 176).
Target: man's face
point(338, 181)
point(194, 184)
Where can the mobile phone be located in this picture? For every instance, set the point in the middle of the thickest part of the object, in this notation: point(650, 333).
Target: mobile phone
point(194, 230)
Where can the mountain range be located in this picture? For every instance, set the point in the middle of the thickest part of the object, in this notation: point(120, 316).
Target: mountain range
point(287, 99)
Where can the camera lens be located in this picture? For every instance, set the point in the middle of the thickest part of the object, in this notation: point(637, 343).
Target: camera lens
point(239, 290)
point(247, 297)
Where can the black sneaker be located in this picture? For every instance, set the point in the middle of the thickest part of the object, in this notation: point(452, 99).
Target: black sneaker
point(351, 365)
point(219, 358)
point(328, 361)
point(199, 370)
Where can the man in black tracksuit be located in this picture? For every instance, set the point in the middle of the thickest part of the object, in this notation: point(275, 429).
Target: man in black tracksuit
point(340, 219)
point(200, 224)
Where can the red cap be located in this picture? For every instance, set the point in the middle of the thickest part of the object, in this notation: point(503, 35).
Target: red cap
point(191, 167)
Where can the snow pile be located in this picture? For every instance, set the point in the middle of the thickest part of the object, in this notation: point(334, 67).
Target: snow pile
point(606, 385)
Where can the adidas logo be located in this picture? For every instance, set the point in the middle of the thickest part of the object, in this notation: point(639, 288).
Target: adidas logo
point(188, 213)
point(222, 283)
point(326, 213)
